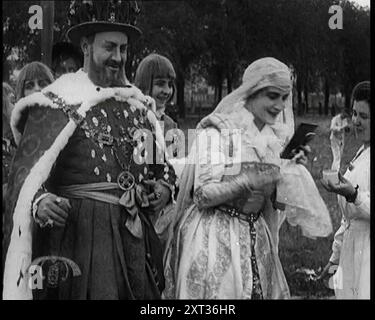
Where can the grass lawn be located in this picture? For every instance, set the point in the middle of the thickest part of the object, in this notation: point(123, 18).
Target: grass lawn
point(298, 253)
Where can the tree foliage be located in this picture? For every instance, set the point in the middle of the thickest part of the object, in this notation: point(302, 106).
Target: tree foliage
point(220, 38)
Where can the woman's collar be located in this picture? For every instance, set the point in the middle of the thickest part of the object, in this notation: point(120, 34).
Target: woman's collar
point(160, 113)
point(248, 123)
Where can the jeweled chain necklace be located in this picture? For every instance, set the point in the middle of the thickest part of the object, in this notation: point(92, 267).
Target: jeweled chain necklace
point(125, 179)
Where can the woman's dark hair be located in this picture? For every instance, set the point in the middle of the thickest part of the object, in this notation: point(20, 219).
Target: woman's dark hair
point(151, 67)
point(361, 92)
point(31, 71)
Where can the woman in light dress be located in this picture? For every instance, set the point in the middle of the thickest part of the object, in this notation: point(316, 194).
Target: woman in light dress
point(351, 246)
point(224, 239)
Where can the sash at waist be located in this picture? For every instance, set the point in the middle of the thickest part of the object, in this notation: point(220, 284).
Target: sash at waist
point(130, 200)
point(91, 191)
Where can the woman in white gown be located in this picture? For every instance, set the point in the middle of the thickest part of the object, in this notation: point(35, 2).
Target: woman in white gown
point(224, 240)
point(351, 246)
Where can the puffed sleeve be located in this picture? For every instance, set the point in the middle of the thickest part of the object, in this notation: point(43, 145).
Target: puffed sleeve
point(209, 168)
point(211, 164)
point(337, 242)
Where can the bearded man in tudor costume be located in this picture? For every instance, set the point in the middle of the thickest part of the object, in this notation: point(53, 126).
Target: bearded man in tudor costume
point(81, 199)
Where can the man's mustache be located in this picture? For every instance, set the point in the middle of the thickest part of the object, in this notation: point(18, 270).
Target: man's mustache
point(115, 64)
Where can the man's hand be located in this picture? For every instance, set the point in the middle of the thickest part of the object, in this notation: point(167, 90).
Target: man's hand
point(159, 198)
point(53, 210)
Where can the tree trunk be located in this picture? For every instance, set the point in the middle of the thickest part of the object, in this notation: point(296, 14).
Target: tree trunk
point(219, 91)
point(299, 97)
point(326, 96)
point(6, 71)
point(229, 83)
point(306, 95)
point(180, 83)
point(47, 32)
point(348, 94)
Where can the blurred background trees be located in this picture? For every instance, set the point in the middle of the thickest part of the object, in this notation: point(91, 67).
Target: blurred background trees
point(211, 42)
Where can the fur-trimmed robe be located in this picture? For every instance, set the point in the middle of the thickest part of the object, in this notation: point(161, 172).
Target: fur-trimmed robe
point(37, 155)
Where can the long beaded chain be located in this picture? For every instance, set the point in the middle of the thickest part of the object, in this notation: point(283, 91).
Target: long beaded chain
point(125, 179)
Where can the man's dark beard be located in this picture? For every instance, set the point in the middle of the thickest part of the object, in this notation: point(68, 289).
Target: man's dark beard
point(102, 76)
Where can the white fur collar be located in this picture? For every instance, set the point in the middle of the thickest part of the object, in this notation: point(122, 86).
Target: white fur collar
point(77, 88)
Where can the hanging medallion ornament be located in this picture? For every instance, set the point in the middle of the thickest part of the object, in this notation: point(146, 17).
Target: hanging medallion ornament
point(57, 269)
point(126, 180)
point(54, 274)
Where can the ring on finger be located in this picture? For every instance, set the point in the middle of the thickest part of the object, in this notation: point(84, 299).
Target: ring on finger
point(49, 222)
point(157, 195)
point(58, 200)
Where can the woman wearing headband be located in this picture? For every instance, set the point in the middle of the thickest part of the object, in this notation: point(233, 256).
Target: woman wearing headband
point(225, 233)
point(351, 246)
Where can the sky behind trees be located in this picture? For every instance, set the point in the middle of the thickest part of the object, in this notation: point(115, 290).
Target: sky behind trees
point(363, 2)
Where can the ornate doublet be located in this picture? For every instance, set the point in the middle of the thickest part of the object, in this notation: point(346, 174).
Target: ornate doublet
point(70, 134)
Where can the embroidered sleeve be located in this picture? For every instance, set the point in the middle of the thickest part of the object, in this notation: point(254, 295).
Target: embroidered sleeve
point(209, 190)
point(210, 158)
point(219, 180)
